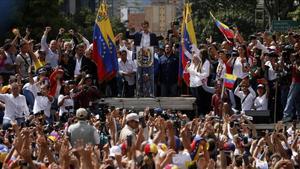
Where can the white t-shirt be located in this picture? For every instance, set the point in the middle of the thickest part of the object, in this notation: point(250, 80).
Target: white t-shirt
point(246, 100)
point(67, 102)
point(15, 107)
point(272, 75)
point(41, 103)
point(261, 103)
point(238, 68)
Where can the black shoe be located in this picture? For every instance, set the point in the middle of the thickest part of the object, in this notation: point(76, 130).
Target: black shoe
point(287, 119)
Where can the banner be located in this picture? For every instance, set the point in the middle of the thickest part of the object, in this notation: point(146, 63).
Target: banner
point(145, 71)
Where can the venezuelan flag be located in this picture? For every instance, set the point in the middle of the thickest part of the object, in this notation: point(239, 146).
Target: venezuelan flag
point(104, 48)
point(229, 81)
point(189, 39)
point(226, 31)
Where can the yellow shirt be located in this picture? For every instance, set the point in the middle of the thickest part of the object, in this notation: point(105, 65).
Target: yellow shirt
point(39, 64)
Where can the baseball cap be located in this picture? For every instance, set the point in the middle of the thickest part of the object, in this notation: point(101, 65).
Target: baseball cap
point(81, 113)
point(260, 86)
point(115, 150)
point(132, 116)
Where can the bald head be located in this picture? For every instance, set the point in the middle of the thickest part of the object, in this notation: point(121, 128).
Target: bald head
point(53, 45)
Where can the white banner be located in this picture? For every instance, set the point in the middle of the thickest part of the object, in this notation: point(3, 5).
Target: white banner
point(124, 14)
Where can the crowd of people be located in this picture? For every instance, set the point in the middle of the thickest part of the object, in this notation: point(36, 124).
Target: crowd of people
point(51, 116)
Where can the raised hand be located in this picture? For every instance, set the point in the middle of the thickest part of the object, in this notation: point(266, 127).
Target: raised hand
point(61, 30)
point(47, 29)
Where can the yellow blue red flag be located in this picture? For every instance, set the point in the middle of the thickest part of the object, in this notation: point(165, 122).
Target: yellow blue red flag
point(104, 48)
point(226, 31)
point(188, 41)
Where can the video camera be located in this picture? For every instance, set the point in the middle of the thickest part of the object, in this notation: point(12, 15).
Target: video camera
point(100, 109)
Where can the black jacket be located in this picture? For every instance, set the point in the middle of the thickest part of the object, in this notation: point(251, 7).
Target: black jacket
point(88, 66)
point(137, 37)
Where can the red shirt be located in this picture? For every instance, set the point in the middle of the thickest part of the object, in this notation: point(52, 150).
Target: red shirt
point(295, 75)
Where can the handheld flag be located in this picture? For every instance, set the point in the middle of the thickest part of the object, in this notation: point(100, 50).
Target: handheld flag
point(188, 41)
point(104, 49)
point(226, 31)
point(229, 81)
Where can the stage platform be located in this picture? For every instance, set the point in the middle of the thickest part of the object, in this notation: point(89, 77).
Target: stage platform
point(271, 126)
point(174, 103)
point(184, 104)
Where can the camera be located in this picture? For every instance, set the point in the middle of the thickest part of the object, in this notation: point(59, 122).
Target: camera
point(99, 108)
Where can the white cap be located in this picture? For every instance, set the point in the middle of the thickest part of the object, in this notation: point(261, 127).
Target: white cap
point(260, 85)
point(261, 164)
point(81, 113)
point(114, 150)
point(132, 116)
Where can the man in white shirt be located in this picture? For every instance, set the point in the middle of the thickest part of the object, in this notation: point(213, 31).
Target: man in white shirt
point(15, 107)
point(43, 101)
point(247, 95)
point(270, 67)
point(127, 70)
point(132, 123)
point(261, 101)
point(145, 77)
point(51, 52)
point(144, 38)
point(124, 46)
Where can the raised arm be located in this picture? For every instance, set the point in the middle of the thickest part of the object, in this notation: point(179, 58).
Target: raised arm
point(85, 41)
point(237, 91)
point(252, 91)
point(44, 45)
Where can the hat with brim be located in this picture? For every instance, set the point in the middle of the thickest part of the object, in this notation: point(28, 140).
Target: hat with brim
point(260, 86)
point(81, 113)
point(132, 117)
point(115, 150)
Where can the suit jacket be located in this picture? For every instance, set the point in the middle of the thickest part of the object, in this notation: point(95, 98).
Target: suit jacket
point(137, 37)
point(88, 66)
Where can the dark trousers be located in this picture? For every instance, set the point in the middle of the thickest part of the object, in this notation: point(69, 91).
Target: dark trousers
point(168, 90)
point(109, 88)
point(202, 100)
point(126, 90)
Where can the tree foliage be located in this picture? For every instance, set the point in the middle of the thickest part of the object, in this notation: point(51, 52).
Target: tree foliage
point(38, 14)
point(231, 12)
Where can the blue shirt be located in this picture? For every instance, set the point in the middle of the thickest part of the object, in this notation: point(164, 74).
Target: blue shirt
point(169, 66)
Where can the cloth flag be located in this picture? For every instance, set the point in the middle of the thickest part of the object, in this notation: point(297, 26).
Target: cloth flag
point(196, 148)
point(229, 80)
point(104, 47)
point(226, 31)
point(188, 41)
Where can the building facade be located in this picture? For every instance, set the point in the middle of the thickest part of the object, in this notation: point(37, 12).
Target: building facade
point(160, 17)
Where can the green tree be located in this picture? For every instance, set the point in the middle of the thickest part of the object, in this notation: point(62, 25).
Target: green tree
point(279, 9)
point(231, 12)
point(38, 14)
